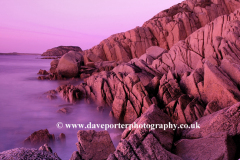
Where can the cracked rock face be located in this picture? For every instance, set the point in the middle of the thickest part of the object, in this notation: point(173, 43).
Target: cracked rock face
point(220, 144)
point(44, 152)
point(225, 120)
point(164, 30)
point(93, 145)
point(146, 143)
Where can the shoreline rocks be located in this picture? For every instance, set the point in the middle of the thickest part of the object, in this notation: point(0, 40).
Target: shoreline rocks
point(195, 81)
point(41, 137)
point(44, 152)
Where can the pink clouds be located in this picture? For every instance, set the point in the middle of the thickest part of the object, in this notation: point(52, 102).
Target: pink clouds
point(35, 26)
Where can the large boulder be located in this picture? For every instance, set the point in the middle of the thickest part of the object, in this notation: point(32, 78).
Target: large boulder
point(69, 64)
point(93, 145)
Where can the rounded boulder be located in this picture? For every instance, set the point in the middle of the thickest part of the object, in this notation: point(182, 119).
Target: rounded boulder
point(69, 64)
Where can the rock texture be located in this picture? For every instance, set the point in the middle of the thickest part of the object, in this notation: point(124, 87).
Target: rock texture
point(225, 120)
point(93, 145)
point(214, 146)
point(31, 154)
point(61, 50)
point(144, 143)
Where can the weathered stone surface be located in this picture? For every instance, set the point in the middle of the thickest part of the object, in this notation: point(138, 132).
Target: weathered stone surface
point(28, 153)
point(212, 42)
point(69, 64)
point(153, 115)
point(225, 120)
point(145, 143)
point(214, 146)
point(155, 51)
point(76, 156)
point(212, 107)
point(169, 89)
point(40, 137)
point(70, 93)
point(219, 87)
point(93, 145)
point(189, 82)
point(61, 50)
point(45, 147)
point(54, 64)
point(147, 148)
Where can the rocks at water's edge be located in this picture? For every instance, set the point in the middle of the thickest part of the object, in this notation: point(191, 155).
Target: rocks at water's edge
point(44, 152)
point(191, 82)
point(40, 137)
point(43, 136)
point(193, 77)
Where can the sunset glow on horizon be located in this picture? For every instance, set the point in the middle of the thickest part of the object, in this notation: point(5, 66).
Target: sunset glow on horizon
point(35, 26)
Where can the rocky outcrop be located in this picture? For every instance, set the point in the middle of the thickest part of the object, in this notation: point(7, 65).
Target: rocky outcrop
point(164, 30)
point(43, 136)
point(146, 143)
point(44, 152)
point(93, 145)
point(196, 81)
point(193, 73)
point(61, 50)
point(40, 137)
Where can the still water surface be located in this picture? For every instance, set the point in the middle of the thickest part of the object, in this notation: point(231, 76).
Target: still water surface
point(24, 107)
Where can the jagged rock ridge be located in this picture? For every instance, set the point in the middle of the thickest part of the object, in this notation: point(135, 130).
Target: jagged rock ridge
point(164, 30)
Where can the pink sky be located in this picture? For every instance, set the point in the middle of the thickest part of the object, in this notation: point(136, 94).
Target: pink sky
point(29, 26)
